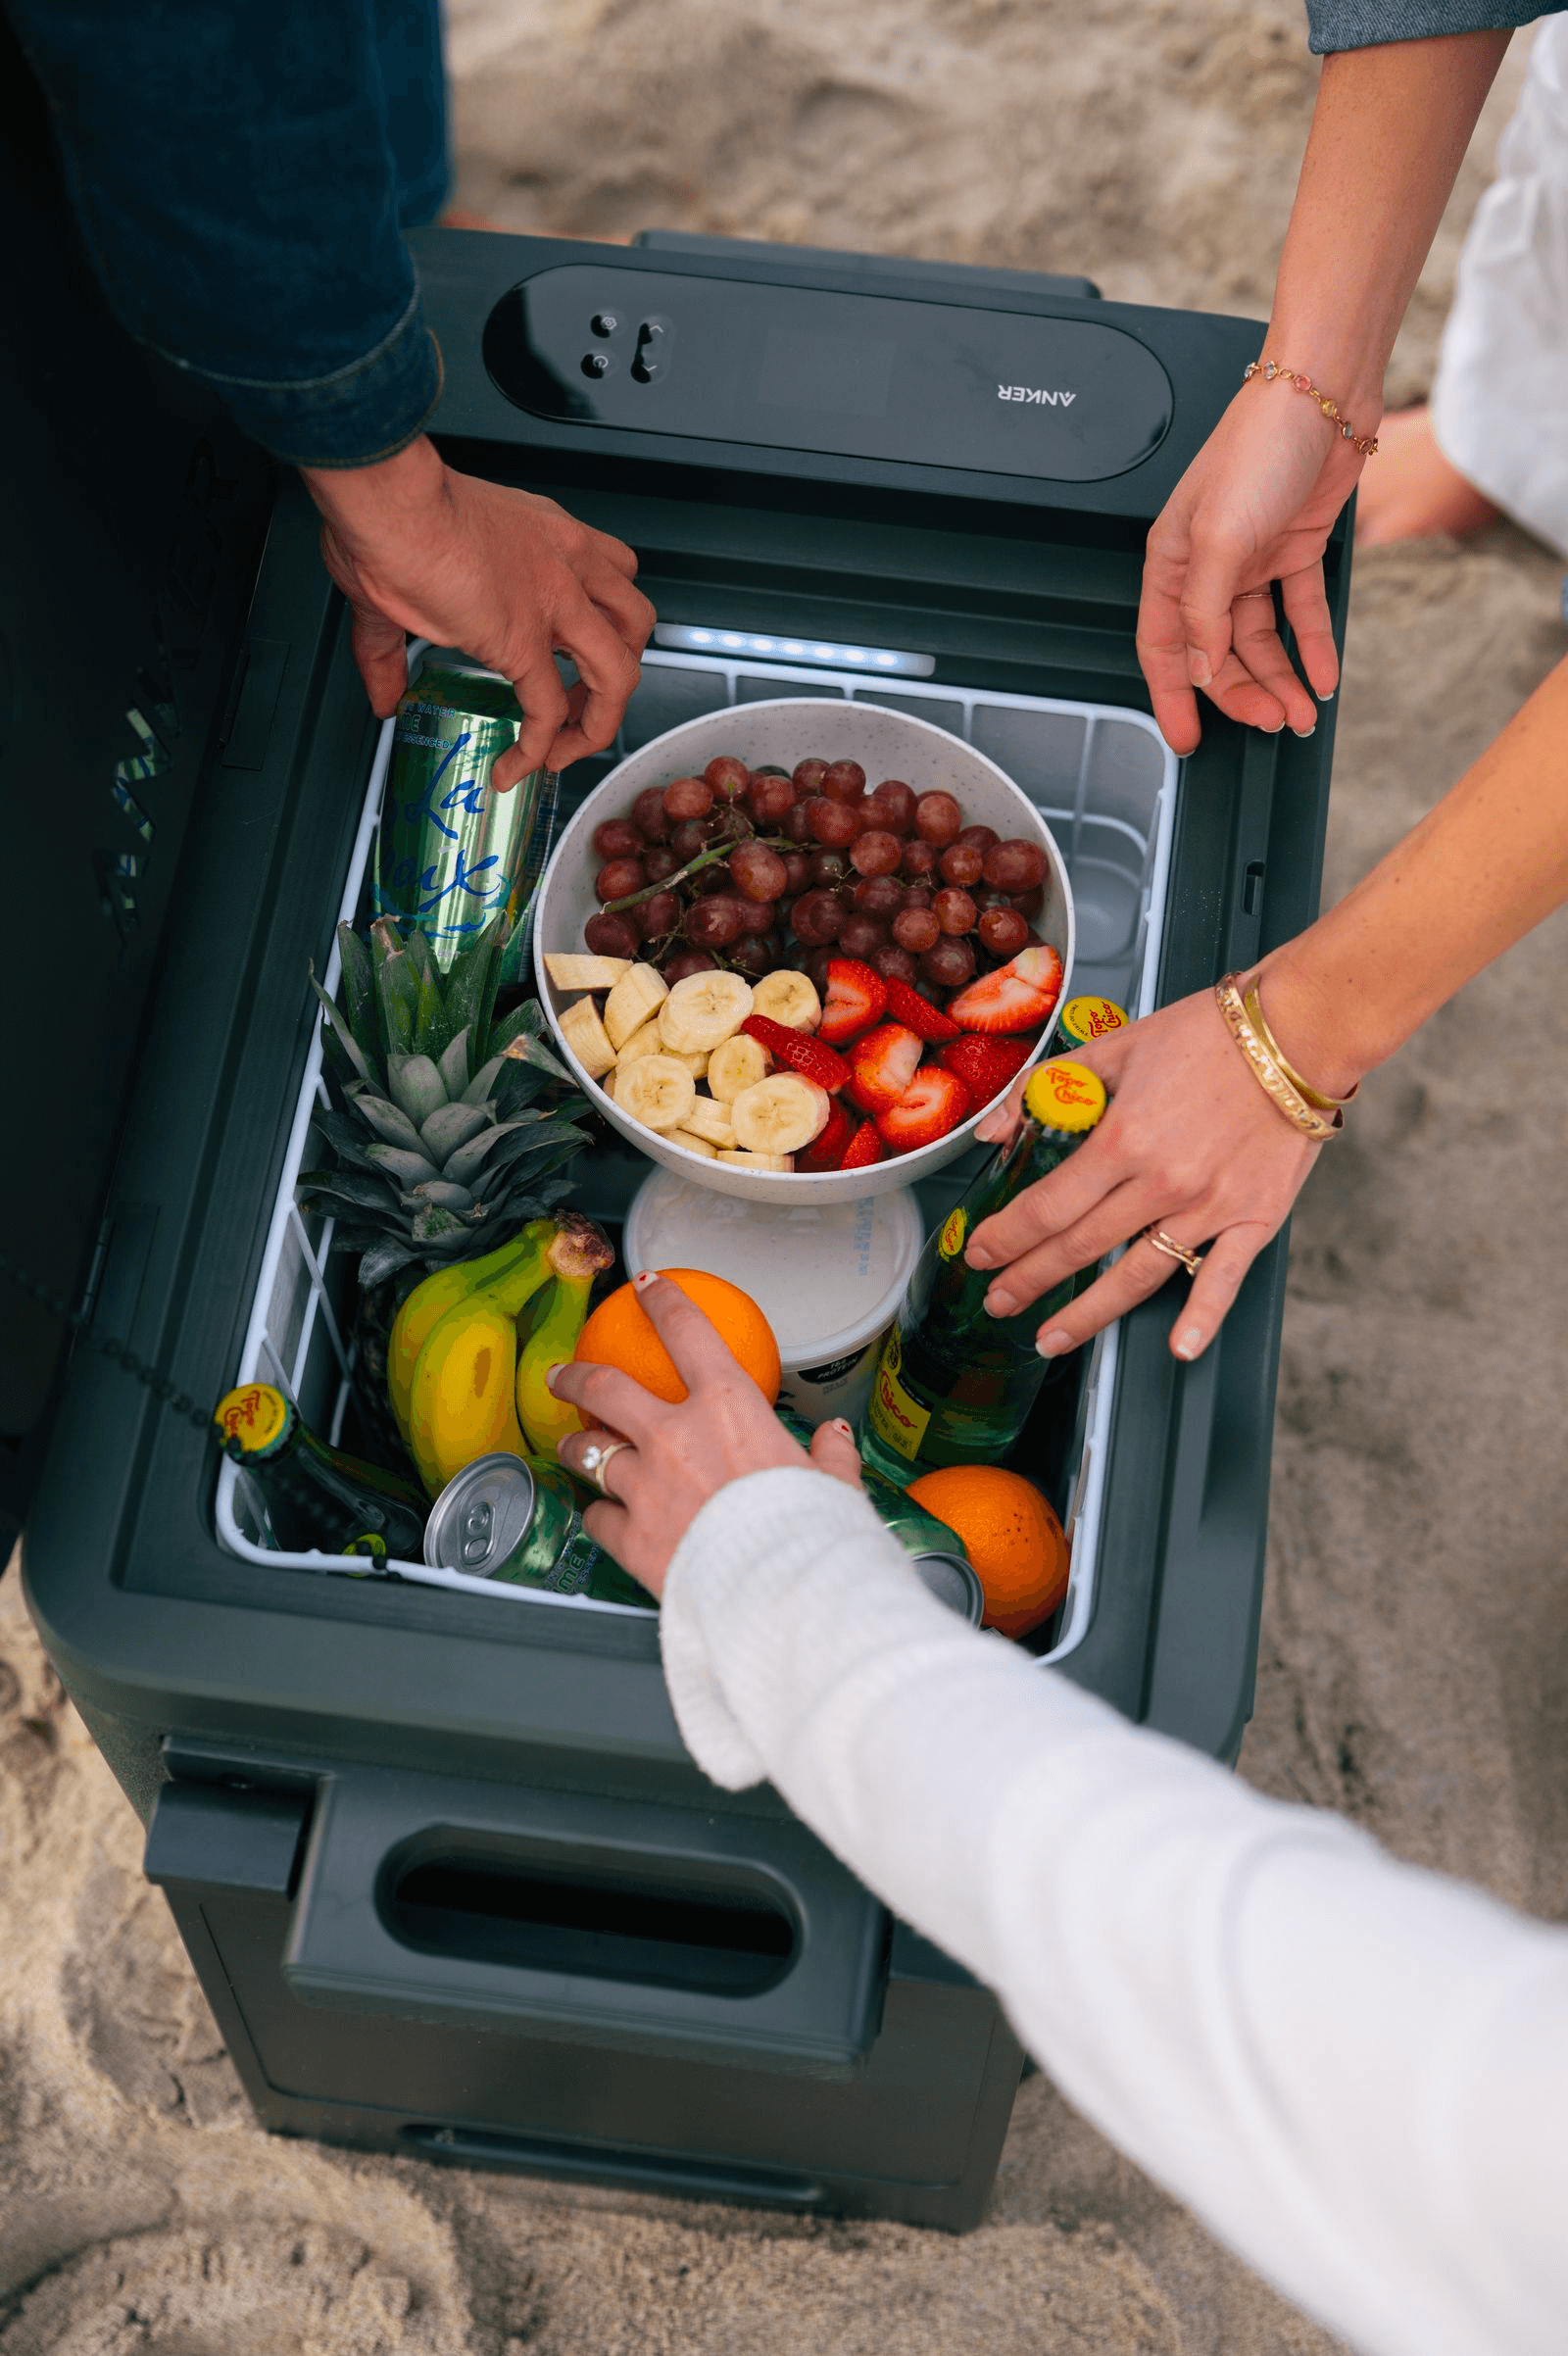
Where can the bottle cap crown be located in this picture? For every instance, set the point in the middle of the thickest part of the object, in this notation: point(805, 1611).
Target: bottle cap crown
point(1083, 1019)
point(1064, 1096)
point(255, 1415)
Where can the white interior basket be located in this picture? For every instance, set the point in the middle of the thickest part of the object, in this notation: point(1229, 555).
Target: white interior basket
point(1106, 783)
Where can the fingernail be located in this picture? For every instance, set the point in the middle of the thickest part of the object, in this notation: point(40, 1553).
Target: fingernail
point(1188, 1345)
point(551, 1373)
point(1305, 732)
point(1329, 698)
point(1275, 730)
point(978, 1257)
point(1052, 1345)
point(839, 1425)
point(1197, 670)
point(1000, 1304)
point(644, 1276)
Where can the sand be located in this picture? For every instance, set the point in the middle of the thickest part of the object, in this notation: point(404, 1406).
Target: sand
point(1414, 1662)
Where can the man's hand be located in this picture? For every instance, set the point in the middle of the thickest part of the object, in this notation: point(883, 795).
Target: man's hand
point(509, 577)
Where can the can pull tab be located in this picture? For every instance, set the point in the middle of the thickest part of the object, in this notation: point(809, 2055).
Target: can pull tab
point(478, 1532)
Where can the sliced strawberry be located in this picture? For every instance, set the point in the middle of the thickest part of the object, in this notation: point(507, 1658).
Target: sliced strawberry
point(826, 1152)
point(933, 1104)
point(866, 1148)
point(857, 997)
point(882, 1065)
point(797, 1052)
point(1017, 997)
point(986, 1066)
point(918, 1015)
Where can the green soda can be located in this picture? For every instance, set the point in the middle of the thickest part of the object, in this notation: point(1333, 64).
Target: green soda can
point(954, 1385)
point(938, 1553)
point(515, 1519)
point(450, 853)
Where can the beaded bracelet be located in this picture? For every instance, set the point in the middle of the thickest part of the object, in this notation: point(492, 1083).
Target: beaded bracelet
point(1268, 369)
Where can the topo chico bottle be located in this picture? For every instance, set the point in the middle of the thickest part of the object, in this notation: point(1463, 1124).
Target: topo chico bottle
point(319, 1499)
point(954, 1385)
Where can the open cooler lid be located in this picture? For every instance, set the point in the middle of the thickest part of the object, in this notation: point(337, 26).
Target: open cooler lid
point(132, 535)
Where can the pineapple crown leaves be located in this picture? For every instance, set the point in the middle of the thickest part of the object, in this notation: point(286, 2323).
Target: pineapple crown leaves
point(448, 1127)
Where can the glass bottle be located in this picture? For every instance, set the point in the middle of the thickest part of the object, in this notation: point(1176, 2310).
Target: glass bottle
point(317, 1499)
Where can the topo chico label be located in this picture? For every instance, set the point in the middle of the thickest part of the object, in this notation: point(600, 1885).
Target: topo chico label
point(897, 1419)
point(954, 1228)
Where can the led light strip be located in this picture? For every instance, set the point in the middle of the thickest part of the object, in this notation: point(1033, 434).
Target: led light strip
point(690, 639)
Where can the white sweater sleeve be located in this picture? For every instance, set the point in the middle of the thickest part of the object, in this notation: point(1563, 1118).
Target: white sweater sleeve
point(1355, 2072)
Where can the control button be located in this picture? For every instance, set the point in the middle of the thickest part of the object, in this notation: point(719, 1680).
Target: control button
point(654, 341)
point(597, 364)
point(603, 322)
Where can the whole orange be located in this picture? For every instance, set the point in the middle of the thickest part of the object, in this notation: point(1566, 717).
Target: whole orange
point(620, 1333)
point(1014, 1538)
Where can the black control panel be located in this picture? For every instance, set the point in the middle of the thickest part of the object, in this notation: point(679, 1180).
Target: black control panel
point(863, 376)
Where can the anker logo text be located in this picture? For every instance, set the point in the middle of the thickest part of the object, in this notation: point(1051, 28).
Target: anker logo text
point(1026, 392)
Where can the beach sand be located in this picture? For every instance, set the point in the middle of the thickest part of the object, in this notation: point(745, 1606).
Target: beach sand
point(1414, 1662)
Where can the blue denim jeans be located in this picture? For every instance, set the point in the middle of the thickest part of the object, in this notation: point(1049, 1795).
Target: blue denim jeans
point(242, 172)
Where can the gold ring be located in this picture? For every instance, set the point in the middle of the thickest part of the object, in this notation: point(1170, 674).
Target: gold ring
point(595, 1460)
point(1190, 1259)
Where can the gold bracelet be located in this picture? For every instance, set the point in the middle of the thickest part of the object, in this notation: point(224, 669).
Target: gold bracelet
point(1269, 370)
point(1284, 1098)
point(1253, 1001)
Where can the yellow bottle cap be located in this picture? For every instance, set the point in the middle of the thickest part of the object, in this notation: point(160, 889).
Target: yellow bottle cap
point(1083, 1019)
point(256, 1415)
point(1064, 1096)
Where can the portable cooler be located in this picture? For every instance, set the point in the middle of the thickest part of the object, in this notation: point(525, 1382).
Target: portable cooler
point(452, 1883)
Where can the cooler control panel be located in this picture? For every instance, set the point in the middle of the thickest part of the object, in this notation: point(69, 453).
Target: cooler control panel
point(862, 375)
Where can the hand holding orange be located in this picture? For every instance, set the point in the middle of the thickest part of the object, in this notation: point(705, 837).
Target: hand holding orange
point(620, 1333)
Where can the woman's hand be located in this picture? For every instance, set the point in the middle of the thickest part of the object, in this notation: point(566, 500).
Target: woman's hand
point(679, 1456)
point(1256, 506)
point(1190, 1143)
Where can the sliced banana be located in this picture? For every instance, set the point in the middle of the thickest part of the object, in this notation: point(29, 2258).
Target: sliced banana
point(584, 1034)
point(635, 999)
point(704, 1011)
point(692, 1145)
point(739, 1063)
point(569, 972)
point(756, 1161)
point(788, 997)
point(780, 1115)
point(645, 1042)
point(657, 1090)
point(711, 1120)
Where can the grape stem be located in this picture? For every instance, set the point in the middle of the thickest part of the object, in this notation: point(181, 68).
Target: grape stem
point(704, 858)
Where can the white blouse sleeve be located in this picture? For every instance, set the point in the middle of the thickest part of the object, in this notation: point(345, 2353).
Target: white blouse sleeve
point(1355, 2072)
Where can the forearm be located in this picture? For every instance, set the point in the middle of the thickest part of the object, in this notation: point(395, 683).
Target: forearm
point(1389, 133)
point(1482, 869)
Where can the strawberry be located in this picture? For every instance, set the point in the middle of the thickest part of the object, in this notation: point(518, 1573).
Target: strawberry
point(881, 1066)
point(1017, 997)
point(918, 1015)
point(797, 1052)
point(866, 1148)
point(826, 1152)
point(856, 996)
point(934, 1103)
point(986, 1066)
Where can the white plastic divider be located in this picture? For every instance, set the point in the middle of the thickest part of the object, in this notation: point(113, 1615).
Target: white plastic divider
point(320, 1354)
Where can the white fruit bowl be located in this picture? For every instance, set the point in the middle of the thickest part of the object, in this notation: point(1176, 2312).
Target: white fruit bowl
point(886, 744)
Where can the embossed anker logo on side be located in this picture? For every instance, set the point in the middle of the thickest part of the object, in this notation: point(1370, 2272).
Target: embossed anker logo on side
point(1026, 392)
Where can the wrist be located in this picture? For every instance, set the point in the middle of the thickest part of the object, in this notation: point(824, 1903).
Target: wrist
point(1321, 1031)
point(398, 494)
point(1343, 367)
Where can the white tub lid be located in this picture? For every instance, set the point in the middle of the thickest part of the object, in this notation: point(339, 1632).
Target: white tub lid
point(826, 1277)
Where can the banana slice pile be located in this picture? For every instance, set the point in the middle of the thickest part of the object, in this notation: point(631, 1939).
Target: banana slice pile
point(677, 1062)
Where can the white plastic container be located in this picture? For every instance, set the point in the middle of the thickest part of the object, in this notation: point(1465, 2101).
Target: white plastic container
point(828, 1277)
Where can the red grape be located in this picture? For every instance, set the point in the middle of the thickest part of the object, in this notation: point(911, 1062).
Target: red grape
point(767, 799)
point(859, 935)
point(916, 929)
point(817, 964)
point(649, 814)
point(612, 936)
point(937, 818)
point(844, 781)
point(757, 956)
point(876, 853)
point(951, 963)
point(617, 838)
point(1003, 931)
point(955, 911)
point(1030, 903)
point(659, 862)
point(688, 798)
point(917, 896)
point(894, 964)
point(898, 799)
point(758, 915)
point(962, 863)
point(715, 922)
point(660, 915)
point(984, 838)
point(756, 871)
point(816, 918)
point(919, 858)
point(689, 837)
point(685, 962)
point(829, 866)
point(729, 823)
point(1016, 865)
point(797, 870)
point(796, 823)
point(618, 878)
point(878, 896)
point(808, 775)
point(728, 777)
point(831, 823)
point(714, 879)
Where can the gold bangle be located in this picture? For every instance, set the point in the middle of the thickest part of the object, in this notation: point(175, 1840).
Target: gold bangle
point(1253, 1001)
point(1284, 1098)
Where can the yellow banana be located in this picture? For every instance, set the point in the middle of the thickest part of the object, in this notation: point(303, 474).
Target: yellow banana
point(508, 1275)
point(578, 1255)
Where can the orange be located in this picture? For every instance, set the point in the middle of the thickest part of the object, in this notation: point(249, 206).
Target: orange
point(620, 1333)
point(1014, 1538)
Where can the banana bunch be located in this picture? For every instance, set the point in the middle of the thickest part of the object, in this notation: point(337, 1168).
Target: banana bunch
point(457, 1385)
